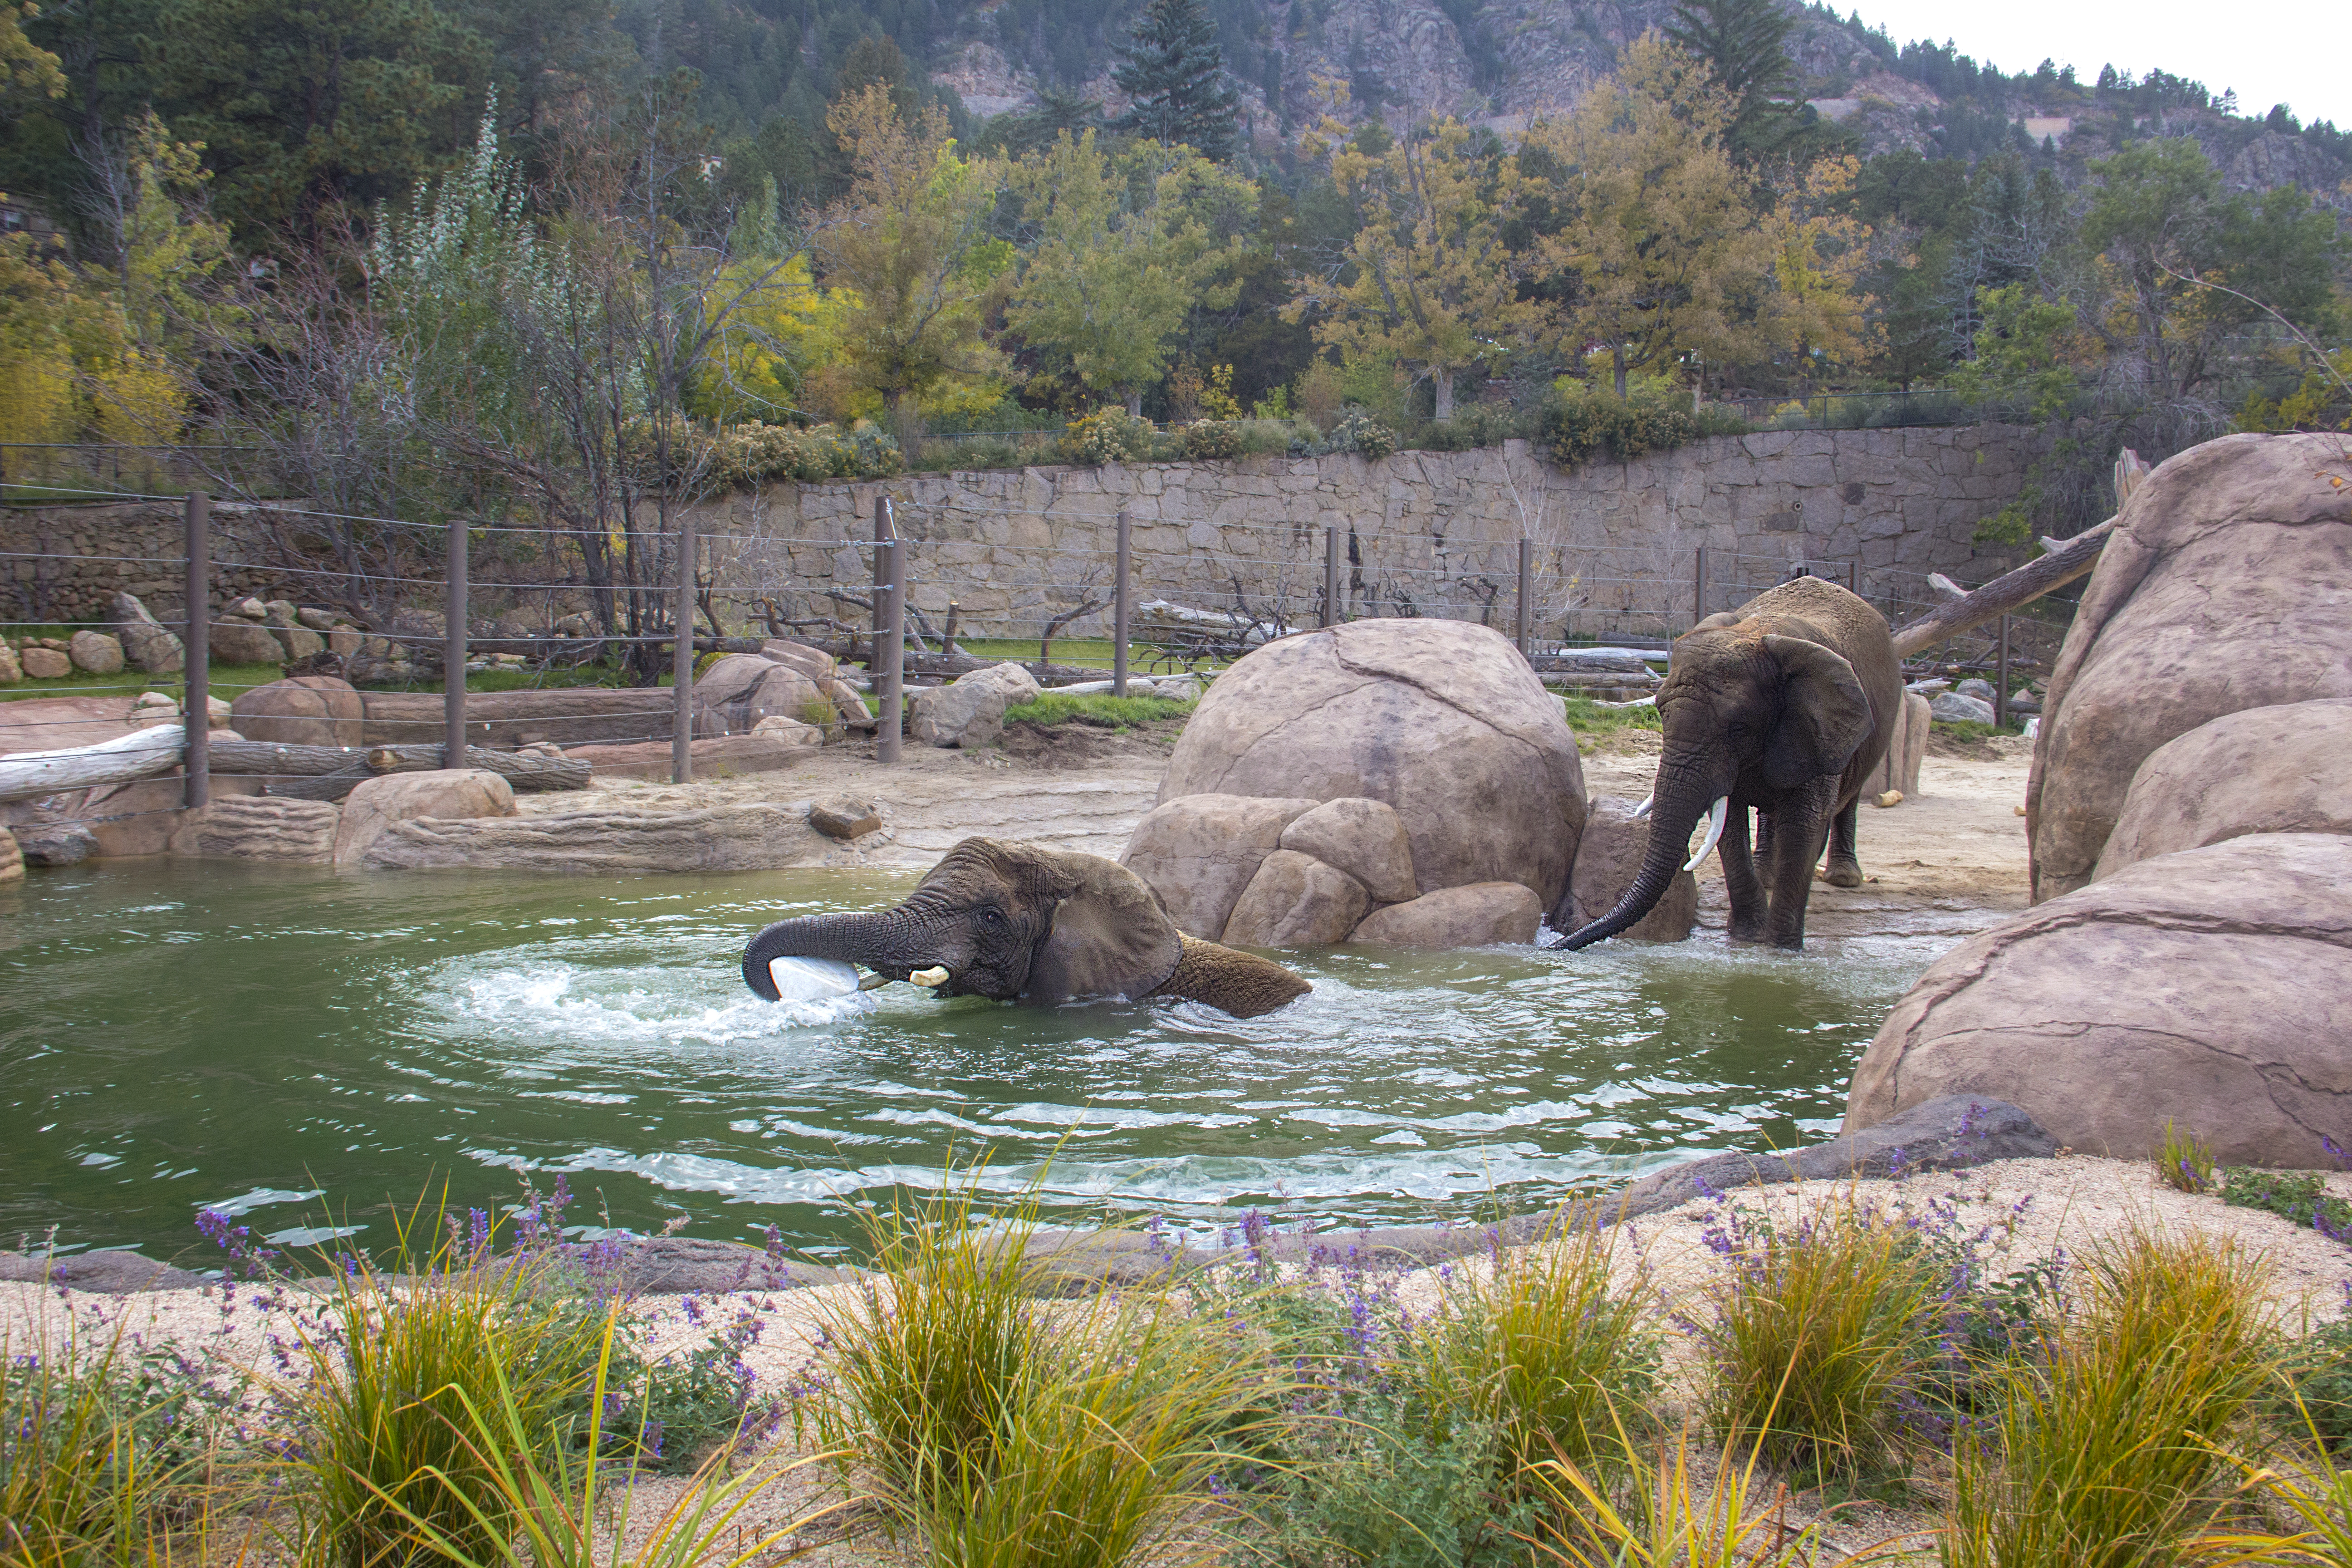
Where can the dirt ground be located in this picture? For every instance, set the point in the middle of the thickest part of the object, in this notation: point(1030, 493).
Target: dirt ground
point(1950, 860)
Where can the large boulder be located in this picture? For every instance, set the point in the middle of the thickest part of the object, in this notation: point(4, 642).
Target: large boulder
point(260, 827)
point(301, 711)
point(1476, 914)
point(1364, 838)
point(1296, 900)
point(95, 653)
point(11, 671)
point(1441, 721)
point(970, 710)
point(45, 662)
point(237, 639)
point(739, 690)
point(149, 646)
point(2286, 769)
point(2205, 987)
point(1200, 852)
point(1608, 857)
point(449, 794)
point(2227, 585)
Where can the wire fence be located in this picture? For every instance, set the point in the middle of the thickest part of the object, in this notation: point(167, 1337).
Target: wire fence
point(612, 650)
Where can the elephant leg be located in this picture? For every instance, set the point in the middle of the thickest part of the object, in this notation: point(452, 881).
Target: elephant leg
point(1801, 829)
point(1763, 835)
point(1846, 868)
point(1740, 879)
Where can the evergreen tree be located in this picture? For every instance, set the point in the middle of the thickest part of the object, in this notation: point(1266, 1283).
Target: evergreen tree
point(1745, 45)
point(1175, 75)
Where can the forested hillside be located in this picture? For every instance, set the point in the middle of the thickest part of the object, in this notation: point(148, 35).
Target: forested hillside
point(550, 256)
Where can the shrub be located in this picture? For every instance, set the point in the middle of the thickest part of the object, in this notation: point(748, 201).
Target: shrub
point(1360, 432)
point(1818, 1329)
point(83, 1463)
point(1107, 436)
point(1584, 423)
point(2102, 1454)
point(2299, 1197)
point(1207, 440)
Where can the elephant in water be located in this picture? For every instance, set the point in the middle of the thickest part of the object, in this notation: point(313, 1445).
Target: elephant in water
point(1012, 922)
point(1783, 705)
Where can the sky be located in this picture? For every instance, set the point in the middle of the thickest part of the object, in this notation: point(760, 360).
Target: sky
point(2271, 53)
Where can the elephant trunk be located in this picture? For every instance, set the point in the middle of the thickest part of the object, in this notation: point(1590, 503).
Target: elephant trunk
point(1675, 811)
point(882, 942)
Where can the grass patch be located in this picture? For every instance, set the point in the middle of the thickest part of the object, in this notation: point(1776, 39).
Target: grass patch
point(1587, 717)
point(2299, 1197)
point(2104, 1452)
point(1097, 710)
point(2185, 1164)
point(228, 682)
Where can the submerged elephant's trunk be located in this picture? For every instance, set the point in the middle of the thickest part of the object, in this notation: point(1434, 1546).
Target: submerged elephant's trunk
point(881, 941)
point(1671, 822)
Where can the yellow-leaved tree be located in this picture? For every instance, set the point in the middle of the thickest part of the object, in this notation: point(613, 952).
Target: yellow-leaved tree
point(1127, 245)
point(910, 244)
point(1816, 313)
point(1430, 285)
point(172, 263)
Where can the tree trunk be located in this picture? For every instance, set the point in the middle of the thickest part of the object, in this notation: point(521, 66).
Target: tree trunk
point(330, 772)
point(1443, 379)
point(2003, 594)
point(1617, 364)
point(25, 776)
point(1135, 405)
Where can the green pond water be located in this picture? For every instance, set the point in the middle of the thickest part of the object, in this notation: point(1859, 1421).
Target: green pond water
point(298, 1048)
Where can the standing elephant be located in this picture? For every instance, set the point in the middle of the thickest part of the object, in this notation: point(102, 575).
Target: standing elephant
point(1012, 922)
point(1783, 705)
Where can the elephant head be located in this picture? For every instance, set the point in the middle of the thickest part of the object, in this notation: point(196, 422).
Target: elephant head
point(1749, 713)
point(1012, 922)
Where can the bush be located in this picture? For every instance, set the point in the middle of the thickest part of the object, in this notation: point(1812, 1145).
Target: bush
point(1819, 1329)
point(742, 456)
point(1587, 422)
point(2103, 1453)
point(1207, 440)
point(1107, 436)
point(1355, 432)
point(2299, 1197)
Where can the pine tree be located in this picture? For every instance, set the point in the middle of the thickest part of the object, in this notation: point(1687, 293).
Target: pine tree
point(1745, 45)
point(1175, 75)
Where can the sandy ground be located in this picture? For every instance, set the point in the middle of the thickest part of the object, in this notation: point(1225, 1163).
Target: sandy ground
point(2023, 1211)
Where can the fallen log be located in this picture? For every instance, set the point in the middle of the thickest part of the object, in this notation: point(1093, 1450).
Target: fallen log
point(567, 715)
point(330, 772)
point(25, 776)
point(2067, 560)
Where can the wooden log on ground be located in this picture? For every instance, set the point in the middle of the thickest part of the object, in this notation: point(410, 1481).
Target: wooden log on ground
point(27, 775)
point(330, 772)
point(566, 715)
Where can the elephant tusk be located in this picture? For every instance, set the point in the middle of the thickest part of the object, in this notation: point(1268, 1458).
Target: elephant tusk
point(1716, 814)
point(935, 975)
point(1642, 810)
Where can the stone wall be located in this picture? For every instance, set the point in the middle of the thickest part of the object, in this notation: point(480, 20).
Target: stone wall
point(1420, 533)
point(1615, 544)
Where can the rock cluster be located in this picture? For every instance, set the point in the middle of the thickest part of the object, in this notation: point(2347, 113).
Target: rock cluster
point(790, 682)
point(968, 710)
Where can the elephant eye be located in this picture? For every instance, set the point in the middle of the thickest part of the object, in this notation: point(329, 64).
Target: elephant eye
point(991, 915)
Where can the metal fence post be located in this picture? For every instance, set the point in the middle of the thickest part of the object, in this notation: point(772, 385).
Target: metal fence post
point(196, 712)
point(453, 652)
point(1330, 576)
point(888, 665)
point(1699, 591)
point(1119, 604)
point(681, 723)
point(1526, 583)
point(2001, 686)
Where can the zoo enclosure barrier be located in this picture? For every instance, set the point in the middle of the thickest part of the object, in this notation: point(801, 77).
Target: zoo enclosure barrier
point(1336, 582)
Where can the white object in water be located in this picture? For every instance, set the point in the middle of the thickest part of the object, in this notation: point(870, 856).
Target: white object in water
point(935, 975)
point(1716, 814)
point(811, 979)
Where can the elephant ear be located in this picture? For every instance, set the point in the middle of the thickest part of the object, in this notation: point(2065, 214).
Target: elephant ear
point(1825, 713)
point(1110, 937)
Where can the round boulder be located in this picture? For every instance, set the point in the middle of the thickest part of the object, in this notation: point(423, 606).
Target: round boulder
point(301, 711)
point(1442, 722)
point(96, 652)
point(1200, 852)
point(1363, 838)
point(1608, 857)
point(2204, 987)
point(1296, 900)
point(2286, 769)
point(2227, 585)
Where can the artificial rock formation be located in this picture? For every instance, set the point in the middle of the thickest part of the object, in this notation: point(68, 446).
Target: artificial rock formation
point(1476, 914)
point(302, 710)
point(1296, 900)
point(448, 794)
point(2204, 987)
point(1335, 744)
point(261, 828)
point(1608, 857)
point(968, 710)
point(759, 836)
point(2226, 584)
point(2284, 769)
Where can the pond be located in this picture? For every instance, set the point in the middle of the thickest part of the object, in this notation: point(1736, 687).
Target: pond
point(298, 1048)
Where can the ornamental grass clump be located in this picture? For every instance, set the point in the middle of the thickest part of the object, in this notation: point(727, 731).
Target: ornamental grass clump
point(2104, 1451)
point(385, 1414)
point(1540, 1345)
point(76, 1479)
point(1000, 1430)
point(1819, 1329)
point(2185, 1164)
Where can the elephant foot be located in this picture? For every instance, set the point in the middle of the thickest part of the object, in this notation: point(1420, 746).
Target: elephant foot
point(1845, 874)
point(1748, 935)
